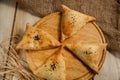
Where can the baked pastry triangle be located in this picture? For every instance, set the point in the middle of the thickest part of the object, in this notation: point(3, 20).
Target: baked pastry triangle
point(88, 53)
point(72, 21)
point(53, 69)
point(37, 39)
point(36, 58)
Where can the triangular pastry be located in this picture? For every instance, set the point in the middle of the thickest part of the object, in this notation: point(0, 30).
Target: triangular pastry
point(53, 69)
point(36, 58)
point(37, 39)
point(72, 21)
point(88, 53)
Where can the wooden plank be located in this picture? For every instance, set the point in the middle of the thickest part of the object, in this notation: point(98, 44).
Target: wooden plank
point(22, 18)
point(6, 18)
point(7, 11)
point(110, 69)
point(117, 55)
point(106, 73)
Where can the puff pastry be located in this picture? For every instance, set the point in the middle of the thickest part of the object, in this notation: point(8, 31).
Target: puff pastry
point(88, 53)
point(72, 21)
point(54, 68)
point(51, 63)
point(37, 39)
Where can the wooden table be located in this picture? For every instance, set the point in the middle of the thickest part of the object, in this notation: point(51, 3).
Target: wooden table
point(13, 21)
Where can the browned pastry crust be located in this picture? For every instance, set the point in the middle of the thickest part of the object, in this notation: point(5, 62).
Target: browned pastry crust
point(75, 69)
point(37, 39)
point(72, 21)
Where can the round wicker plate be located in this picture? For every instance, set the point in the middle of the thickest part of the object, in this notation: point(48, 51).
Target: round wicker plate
point(75, 69)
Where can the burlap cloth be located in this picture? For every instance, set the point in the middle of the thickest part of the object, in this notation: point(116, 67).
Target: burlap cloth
point(107, 13)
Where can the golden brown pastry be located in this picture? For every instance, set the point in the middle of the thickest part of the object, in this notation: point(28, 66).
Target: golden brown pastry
point(71, 68)
point(37, 39)
point(88, 53)
point(36, 58)
point(72, 21)
point(53, 69)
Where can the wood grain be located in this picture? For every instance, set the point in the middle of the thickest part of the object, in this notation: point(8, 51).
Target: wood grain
point(107, 13)
point(111, 67)
point(22, 17)
point(79, 70)
point(6, 24)
point(117, 59)
point(10, 25)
